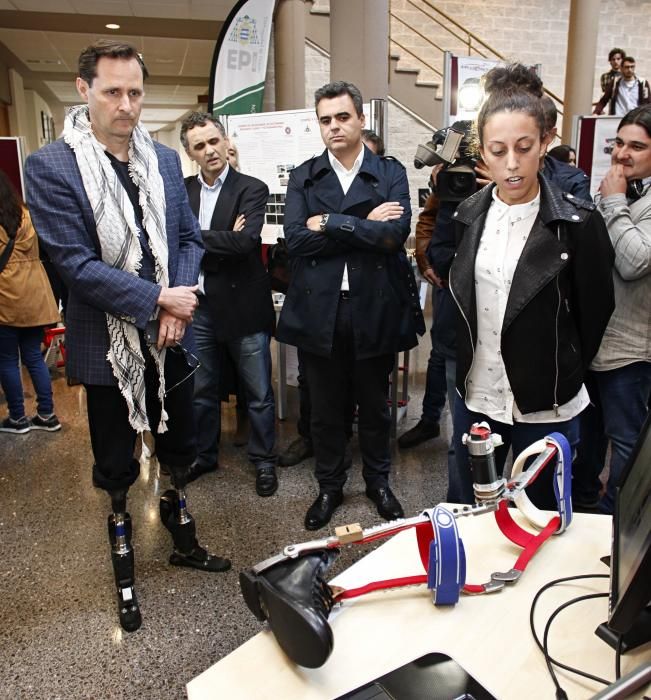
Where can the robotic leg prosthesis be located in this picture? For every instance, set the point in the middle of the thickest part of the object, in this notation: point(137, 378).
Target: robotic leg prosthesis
point(290, 592)
point(176, 518)
point(119, 531)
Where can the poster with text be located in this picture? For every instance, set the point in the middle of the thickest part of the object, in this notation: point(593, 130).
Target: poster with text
point(605, 131)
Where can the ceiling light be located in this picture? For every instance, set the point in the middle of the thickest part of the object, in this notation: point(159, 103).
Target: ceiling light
point(112, 26)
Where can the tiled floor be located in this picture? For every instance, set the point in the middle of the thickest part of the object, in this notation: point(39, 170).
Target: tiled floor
point(59, 634)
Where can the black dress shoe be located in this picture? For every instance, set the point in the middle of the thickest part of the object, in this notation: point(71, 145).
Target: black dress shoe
point(388, 506)
point(195, 470)
point(320, 512)
point(297, 451)
point(266, 481)
point(423, 430)
point(199, 558)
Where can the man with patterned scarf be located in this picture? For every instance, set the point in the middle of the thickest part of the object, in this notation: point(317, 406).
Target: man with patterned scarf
point(111, 209)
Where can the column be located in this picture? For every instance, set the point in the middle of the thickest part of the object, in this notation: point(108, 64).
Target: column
point(359, 45)
point(580, 62)
point(289, 54)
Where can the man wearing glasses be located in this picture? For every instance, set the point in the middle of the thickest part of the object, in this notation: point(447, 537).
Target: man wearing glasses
point(110, 208)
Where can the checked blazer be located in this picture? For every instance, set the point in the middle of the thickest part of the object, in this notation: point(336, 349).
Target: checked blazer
point(64, 221)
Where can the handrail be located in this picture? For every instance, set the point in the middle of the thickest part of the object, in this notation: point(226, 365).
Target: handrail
point(470, 35)
point(420, 34)
point(417, 57)
point(463, 29)
point(447, 29)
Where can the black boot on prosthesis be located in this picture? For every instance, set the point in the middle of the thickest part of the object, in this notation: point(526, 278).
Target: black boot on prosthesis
point(176, 518)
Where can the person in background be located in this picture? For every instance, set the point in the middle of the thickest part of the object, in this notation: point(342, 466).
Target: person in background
point(622, 367)
point(566, 177)
point(615, 58)
point(232, 155)
point(428, 427)
point(533, 286)
point(235, 315)
point(372, 141)
point(26, 306)
point(563, 153)
point(625, 92)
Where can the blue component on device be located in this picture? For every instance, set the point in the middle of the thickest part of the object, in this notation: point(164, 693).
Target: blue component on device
point(563, 479)
point(446, 575)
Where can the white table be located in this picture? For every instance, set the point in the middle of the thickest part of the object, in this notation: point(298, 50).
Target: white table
point(487, 634)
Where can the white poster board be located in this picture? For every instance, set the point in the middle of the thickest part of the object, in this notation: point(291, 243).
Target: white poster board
point(462, 73)
point(605, 131)
point(595, 137)
point(270, 145)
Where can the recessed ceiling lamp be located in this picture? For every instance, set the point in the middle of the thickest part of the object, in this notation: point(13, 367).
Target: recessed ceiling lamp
point(112, 26)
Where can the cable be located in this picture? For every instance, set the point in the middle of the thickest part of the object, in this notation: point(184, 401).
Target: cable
point(618, 656)
point(549, 660)
point(552, 617)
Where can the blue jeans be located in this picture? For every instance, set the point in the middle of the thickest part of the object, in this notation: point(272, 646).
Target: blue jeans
point(517, 436)
point(252, 359)
point(624, 394)
point(28, 341)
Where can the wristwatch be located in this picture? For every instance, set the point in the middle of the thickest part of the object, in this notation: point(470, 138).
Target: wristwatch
point(324, 222)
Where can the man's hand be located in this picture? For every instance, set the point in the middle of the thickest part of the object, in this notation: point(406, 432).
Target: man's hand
point(614, 182)
point(433, 278)
point(483, 174)
point(388, 211)
point(239, 223)
point(171, 330)
point(179, 301)
point(314, 223)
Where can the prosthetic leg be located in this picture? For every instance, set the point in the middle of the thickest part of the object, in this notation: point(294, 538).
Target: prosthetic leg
point(175, 517)
point(119, 530)
point(289, 589)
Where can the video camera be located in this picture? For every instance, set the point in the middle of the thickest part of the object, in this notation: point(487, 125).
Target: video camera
point(450, 147)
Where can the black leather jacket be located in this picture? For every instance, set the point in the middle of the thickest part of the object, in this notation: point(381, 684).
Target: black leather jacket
point(560, 300)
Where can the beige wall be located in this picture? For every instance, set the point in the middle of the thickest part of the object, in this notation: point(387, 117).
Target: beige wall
point(531, 31)
point(33, 133)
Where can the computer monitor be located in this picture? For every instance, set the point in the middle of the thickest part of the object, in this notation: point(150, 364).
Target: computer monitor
point(630, 565)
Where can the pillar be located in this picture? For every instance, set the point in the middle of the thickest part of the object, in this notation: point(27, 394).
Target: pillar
point(289, 54)
point(580, 62)
point(359, 45)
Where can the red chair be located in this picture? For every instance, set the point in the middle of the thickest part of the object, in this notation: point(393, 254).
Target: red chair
point(54, 339)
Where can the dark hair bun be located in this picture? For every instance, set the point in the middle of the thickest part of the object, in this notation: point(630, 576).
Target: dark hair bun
point(511, 79)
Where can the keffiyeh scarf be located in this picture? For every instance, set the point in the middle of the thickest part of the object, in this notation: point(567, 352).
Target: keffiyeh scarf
point(120, 246)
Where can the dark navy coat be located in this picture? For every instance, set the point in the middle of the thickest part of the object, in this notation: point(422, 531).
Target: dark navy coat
point(384, 315)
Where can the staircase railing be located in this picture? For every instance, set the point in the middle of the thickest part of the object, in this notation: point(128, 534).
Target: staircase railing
point(475, 44)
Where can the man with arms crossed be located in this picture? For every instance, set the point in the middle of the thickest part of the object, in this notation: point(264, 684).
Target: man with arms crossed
point(109, 205)
point(347, 215)
point(235, 315)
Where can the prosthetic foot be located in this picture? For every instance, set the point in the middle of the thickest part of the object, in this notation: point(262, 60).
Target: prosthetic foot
point(296, 600)
point(187, 550)
point(119, 531)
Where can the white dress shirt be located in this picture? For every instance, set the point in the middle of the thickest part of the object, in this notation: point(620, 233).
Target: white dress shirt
point(627, 96)
point(346, 178)
point(505, 233)
point(207, 203)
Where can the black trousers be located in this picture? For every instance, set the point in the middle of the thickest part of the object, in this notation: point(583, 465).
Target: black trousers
point(112, 437)
point(332, 382)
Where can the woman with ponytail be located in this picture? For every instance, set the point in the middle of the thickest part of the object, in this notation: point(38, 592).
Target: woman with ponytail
point(533, 285)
